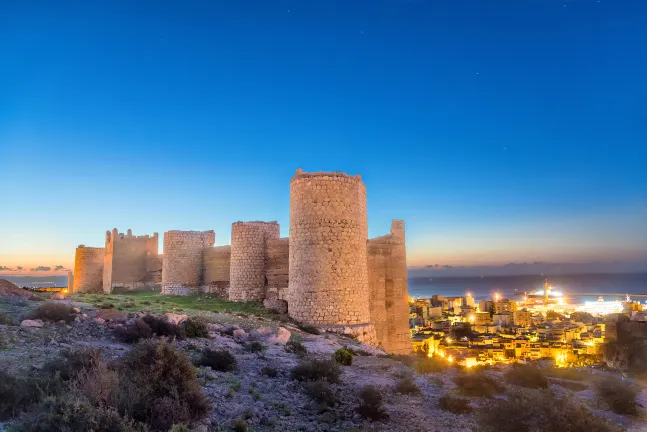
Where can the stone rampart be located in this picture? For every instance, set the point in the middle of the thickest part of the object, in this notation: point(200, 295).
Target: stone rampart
point(277, 267)
point(182, 267)
point(217, 270)
point(88, 269)
point(388, 282)
point(328, 280)
point(248, 244)
point(130, 261)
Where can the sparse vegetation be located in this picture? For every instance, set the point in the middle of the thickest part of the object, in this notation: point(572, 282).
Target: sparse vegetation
point(308, 329)
point(371, 404)
point(320, 392)
point(315, 370)
point(538, 411)
point(296, 348)
point(269, 371)
point(619, 395)
point(255, 347)
point(344, 356)
point(477, 384)
point(407, 385)
point(430, 365)
point(454, 404)
point(6, 319)
point(53, 312)
point(570, 385)
point(526, 376)
point(567, 374)
point(134, 332)
point(161, 327)
point(219, 360)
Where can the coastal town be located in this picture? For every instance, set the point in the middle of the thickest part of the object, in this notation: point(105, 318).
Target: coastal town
point(542, 325)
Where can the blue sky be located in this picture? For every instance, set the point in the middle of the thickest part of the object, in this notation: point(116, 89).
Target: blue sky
point(500, 130)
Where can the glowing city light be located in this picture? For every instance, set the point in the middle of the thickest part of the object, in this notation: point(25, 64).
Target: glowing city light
point(448, 340)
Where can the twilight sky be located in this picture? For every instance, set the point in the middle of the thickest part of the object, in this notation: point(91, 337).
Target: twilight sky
point(500, 130)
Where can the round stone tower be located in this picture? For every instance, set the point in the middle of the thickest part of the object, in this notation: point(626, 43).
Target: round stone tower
point(88, 269)
point(183, 261)
point(248, 247)
point(328, 276)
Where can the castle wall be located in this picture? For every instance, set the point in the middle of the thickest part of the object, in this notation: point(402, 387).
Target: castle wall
point(328, 275)
point(248, 240)
point(277, 267)
point(217, 270)
point(388, 282)
point(88, 269)
point(130, 262)
point(182, 267)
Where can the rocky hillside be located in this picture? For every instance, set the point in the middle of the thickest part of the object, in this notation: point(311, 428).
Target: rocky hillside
point(264, 373)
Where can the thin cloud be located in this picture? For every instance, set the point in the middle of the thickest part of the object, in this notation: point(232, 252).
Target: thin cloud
point(41, 268)
point(5, 268)
point(19, 268)
point(59, 267)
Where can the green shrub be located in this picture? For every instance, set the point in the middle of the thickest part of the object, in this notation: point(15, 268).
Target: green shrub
point(195, 328)
point(134, 332)
point(309, 329)
point(219, 360)
point(618, 394)
point(477, 384)
point(296, 348)
point(320, 392)
point(343, 356)
point(526, 376)
point(17, 394)
point(407, 385)
point(255, 346)
point(62, 415)
point(53, 312)
point(269, 371)
point(538, 411)
point(315, 370)
point(453, 404)
point(71, 362)
point(431, 364)
point(371, 404)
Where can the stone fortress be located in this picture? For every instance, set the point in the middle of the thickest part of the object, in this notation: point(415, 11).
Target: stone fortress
point(328, 273)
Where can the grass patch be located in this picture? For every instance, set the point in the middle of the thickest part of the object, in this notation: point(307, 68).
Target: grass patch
point(157, 303)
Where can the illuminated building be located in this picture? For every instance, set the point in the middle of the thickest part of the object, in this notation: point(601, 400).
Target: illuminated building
point(521, 318)
point(505, 305)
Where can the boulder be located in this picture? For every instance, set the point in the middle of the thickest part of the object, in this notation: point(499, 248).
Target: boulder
point(58, 296)
point(175, 318)
point(99, 321)
point(281, 306)
point(239, 333)
point(282, 337)
point(31, 323)
point(262, 332)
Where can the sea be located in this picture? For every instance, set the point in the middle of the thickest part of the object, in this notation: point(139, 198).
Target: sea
point(578, 288)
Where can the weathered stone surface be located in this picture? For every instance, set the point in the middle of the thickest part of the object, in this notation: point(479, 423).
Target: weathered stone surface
point(131, 262)
point(328, 234)
point(31, 323)
point(88, 269)
point(175, 318)
point(281, 306)
point(282, 337)
point(182, 269)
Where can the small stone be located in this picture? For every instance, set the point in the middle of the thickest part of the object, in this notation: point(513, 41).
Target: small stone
point(58, 296)
point(282, 337)
point(31, 323)
point(99, 321)
point(239, 333)
point(76, 310)
point(175, 318)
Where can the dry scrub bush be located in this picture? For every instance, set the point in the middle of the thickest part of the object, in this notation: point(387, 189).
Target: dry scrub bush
point(320, 392)
point(407, 385)
point(371, 404)
point(296, 348)
point(53, 312)
point(526, 376)
point(454, 404)
point(477, 384)
point(219, 360)
point(431, 364)
point(112, 315)
point(195, 328)
point(538, 411)
point(315, 370)
point(619, 395)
